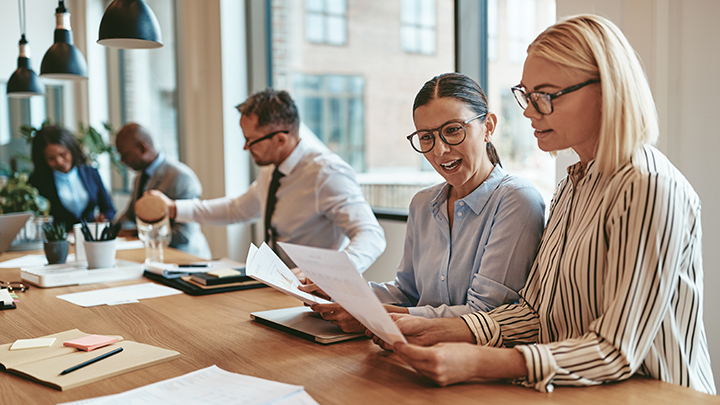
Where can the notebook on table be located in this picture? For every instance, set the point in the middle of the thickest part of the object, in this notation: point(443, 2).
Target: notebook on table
point(10, 226)
point(303, 322)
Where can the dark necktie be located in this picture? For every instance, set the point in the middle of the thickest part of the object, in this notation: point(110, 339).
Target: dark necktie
point(141, 185)
point(270, 207)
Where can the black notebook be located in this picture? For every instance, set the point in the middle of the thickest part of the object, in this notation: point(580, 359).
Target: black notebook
point(194, 289)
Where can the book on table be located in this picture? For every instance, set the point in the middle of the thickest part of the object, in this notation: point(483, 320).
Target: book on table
point(44, 365)
point(210, 278)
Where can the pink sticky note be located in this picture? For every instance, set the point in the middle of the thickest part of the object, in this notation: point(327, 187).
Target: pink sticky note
point(92, 342)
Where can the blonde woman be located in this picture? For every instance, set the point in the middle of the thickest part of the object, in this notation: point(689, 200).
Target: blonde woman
point(616, 288)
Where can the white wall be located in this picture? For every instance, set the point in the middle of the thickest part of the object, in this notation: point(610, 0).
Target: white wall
point(676, 41)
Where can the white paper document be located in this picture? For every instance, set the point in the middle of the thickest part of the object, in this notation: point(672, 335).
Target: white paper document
point(264, 265)
point(336, 275)
point(119, 295)
point(211, 385)
point(30, 260)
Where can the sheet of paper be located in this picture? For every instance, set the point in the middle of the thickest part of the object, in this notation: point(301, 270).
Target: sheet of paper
point(32, 343)
point(110, 296)
point(264, 265)
point(30, 260)
point(336, 275)
point(211, 385)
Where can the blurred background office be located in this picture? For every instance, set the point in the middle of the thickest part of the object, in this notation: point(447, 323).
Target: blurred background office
point(353, 67)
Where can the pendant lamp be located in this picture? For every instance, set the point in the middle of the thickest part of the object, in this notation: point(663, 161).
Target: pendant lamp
point(63, 60)
point(129, 24)
point(24, 82)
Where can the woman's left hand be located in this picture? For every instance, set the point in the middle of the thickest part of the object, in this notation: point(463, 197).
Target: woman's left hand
point(339, 316)
point(450, 363)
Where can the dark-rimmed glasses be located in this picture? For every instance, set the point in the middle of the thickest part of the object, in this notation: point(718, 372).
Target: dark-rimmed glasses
point(452, 133)
point(249, 144)
point(14, 286)
point(543, 101)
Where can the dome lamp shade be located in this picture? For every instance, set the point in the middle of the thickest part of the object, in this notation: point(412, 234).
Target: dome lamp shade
point(129, 24)
point(63, 61)
point(24, 82)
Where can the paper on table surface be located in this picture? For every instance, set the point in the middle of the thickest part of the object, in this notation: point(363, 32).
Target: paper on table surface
point(110, 296)
point(211, 385)
point(30, 260)
point(337, 276)
point(264, 265)
point(32, 343)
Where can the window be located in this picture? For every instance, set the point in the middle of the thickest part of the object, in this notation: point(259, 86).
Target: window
point(148, 84)
point(358, 98)
point(418, 26)
point(326, 21)
point(333, 107)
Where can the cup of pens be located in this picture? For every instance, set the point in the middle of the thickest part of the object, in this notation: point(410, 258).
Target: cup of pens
point(98, 243)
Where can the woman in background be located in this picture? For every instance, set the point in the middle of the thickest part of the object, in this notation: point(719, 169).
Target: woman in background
point(61, 175)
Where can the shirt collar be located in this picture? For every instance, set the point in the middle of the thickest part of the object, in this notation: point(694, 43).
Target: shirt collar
point(71, 175)
point(150, 170)
point(477, 199)
point(287, 165)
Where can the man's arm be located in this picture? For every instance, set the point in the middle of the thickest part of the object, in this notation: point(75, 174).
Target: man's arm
point(341, 200)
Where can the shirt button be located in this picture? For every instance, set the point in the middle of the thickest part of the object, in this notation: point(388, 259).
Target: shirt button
point(442, 278)
point(462, 203)
point(459, 214)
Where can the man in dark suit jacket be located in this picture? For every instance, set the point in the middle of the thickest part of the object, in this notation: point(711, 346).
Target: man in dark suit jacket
point(156, 172)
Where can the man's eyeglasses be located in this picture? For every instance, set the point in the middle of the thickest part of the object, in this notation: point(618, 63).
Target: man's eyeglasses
point(452, 133)
point(249, 144)
point(14, 286)
point(543, 101)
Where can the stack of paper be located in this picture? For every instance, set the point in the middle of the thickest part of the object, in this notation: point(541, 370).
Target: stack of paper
point(211, 385)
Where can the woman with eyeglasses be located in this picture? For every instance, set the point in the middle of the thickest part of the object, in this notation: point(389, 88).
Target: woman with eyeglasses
point(470, 240)
point(616, 288)
point(61, 175)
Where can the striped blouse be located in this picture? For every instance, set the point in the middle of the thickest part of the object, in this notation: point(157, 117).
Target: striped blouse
point(616, 287)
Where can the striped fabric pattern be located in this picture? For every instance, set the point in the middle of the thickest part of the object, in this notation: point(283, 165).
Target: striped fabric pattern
point(616, 288)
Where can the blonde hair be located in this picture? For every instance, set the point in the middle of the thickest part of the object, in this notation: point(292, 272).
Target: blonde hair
point(597, 47)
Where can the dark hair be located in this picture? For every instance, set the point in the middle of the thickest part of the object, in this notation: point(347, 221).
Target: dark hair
point(461, 88)
point(51, 134)
point(271, 107)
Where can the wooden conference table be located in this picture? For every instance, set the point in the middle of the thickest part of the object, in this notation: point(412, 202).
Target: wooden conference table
point(216, 329)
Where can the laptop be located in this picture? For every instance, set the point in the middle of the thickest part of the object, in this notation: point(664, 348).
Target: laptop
point(10, 226)
point(303, 322)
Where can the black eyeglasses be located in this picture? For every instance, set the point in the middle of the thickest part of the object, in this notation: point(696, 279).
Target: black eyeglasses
point(452, 133)
point(543, 101)
point(14, 286)
point(249, 144)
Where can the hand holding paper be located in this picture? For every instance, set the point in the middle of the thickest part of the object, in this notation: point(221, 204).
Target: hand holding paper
point(337, 276)
point(264, 265)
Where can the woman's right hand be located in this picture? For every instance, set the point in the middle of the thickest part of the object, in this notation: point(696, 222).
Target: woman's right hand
point(428, 331)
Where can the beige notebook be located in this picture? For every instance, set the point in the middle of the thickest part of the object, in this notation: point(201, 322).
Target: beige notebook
point(45, 364)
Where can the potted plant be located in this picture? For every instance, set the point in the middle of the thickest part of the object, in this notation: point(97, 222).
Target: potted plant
point(56, 246)
point(17, 195)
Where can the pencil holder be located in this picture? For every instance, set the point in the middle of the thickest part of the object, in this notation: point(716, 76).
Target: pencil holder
point(100, 254)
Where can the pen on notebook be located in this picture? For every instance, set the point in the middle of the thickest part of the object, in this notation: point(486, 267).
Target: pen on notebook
point(195, 265)
point(91, 361)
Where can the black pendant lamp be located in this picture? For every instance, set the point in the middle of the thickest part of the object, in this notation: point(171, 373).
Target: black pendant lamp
point(24, 82)
point(63, 60)
point(129, 24)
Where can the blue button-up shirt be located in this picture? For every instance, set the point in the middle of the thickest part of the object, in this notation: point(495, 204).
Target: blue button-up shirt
point(478, 265)
point(71, 191)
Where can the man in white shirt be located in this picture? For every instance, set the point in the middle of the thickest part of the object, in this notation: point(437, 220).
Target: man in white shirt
point(315, 199)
